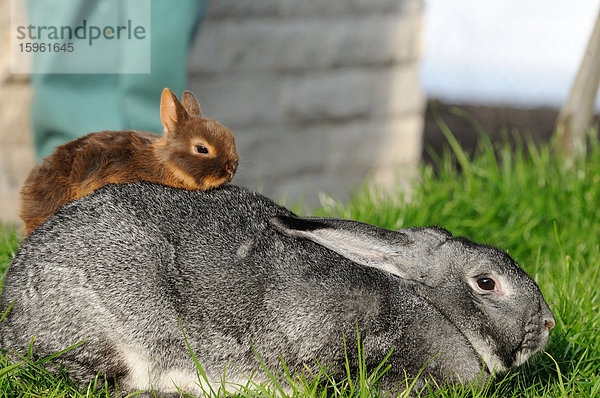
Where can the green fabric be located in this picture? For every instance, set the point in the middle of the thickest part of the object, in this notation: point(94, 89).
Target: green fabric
point(67, 106)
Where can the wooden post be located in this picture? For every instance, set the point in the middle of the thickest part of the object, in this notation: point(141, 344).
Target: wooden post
point(576, 115)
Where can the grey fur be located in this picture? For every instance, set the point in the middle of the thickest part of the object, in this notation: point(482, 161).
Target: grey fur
point(119, 267)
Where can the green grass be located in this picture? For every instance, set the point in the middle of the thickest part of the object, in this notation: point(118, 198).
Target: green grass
point(9, 240)
point(543, 210)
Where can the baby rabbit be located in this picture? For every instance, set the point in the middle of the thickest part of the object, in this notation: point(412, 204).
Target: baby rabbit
point(194, 153)
point(120, 267)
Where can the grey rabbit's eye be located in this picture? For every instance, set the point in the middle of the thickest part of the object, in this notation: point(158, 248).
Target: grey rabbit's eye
point(486, 283)
point(201, 149)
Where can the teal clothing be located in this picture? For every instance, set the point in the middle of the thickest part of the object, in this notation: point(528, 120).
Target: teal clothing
point(67, 106)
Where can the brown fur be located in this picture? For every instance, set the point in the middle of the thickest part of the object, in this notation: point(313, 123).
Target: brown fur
point(81, 166)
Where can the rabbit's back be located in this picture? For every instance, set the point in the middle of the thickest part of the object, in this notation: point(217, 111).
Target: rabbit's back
point(115, 269)
point(79, 167)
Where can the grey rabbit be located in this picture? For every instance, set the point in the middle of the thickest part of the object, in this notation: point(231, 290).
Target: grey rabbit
point(120, 267)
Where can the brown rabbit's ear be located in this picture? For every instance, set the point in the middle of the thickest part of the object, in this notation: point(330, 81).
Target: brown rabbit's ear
point(172, 112)
point(190, 103)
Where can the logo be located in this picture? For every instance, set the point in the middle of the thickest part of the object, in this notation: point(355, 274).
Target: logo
point(111, 36)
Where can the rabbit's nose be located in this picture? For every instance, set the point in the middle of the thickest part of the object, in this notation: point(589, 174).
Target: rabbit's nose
point(547, 316)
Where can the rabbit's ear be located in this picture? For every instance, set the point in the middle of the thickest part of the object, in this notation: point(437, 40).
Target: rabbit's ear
point(172, 112)
point(365, 244)
point(190, 103)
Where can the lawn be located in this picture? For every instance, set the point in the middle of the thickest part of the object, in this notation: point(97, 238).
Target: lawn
point(542, 209)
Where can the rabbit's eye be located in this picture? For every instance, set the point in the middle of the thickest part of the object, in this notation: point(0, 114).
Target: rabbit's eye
point(201, 149)
point(486, 283)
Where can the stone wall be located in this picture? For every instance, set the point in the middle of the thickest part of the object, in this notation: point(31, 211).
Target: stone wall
point(16, 151)
point(320, 95)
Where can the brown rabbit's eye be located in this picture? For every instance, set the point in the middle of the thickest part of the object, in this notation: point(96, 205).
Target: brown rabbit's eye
point(486, 283)
point(201, 149)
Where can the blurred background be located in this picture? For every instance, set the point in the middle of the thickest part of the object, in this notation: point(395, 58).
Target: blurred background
point(325, 95)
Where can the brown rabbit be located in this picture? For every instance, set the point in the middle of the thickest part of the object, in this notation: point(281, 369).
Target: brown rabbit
point(194, 153)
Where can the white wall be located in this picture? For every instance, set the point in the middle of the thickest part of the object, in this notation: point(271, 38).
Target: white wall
point(523, 52)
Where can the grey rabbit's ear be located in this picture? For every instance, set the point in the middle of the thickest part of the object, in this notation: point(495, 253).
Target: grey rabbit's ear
point(190, 103)
point(389, 251)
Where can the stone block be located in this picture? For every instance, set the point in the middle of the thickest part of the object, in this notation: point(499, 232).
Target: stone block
point(397, 91)
point(348, 7)
point(9, 204)
point(17, 161)
point(238, 99)
point(242, 9)
point(353, 93)
point(16, 149)
point(290, 8)
point(14, 114)
point(300, 45)
point(335, 95)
